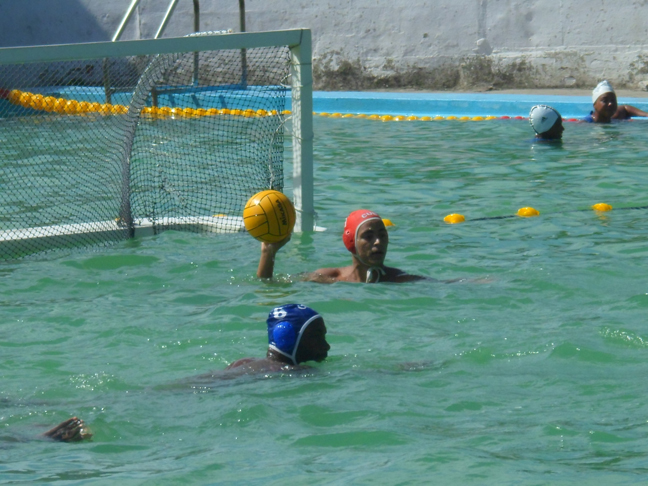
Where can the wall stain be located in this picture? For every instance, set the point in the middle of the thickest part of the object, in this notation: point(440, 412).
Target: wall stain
point(551, 69)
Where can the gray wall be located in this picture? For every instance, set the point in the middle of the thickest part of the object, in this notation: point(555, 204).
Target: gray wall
point(369, 44)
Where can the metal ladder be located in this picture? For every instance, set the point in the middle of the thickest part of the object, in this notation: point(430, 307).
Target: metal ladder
point(165, 20)
point(167, 17)
point(160, 31)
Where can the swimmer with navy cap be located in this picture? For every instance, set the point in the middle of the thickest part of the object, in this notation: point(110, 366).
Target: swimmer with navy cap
point(546, 122)
point(606, 107)
point(366, 237)
point(296, 334)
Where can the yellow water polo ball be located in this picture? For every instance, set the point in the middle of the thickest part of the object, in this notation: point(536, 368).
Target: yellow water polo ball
point(269, 216)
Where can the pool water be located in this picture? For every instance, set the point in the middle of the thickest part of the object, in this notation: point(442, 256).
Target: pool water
point(530, 370)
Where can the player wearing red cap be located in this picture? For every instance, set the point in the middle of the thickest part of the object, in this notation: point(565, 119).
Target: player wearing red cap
point(365, 236)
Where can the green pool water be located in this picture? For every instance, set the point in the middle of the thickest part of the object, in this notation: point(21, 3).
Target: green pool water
point(531, 370)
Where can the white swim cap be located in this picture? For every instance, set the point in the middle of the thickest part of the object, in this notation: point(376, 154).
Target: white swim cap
point(601, 88)
point(542, 118)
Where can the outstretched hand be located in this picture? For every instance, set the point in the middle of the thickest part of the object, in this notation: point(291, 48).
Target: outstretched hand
point(71, 430)
point(273, 248)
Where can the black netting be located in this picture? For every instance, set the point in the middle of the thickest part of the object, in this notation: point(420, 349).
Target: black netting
point(94, 151)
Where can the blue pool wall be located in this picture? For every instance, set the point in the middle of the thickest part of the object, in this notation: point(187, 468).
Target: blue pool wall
point(454, 104)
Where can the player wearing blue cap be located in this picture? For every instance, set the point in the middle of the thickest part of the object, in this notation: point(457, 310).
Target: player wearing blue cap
point(296, 334)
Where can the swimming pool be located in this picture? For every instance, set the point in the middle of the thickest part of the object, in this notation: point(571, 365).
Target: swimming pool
point(529, 371)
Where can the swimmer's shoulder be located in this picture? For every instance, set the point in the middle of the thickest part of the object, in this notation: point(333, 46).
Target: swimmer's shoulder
point(397, 275)
point(251, 365)
point(324, 275)
point(241, 362)
point(622, 113)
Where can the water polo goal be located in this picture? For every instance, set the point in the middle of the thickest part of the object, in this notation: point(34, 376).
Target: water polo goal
point(106, 141)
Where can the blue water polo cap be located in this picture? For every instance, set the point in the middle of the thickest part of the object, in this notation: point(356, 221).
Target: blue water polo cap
point(286, 325)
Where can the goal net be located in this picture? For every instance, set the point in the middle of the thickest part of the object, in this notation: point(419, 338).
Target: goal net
point(102, 142)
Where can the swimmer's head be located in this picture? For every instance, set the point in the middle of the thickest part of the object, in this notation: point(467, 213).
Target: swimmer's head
point(287, 325)
point(546, 122)
point(605, 101)
point(602, 88)
point(352, 225)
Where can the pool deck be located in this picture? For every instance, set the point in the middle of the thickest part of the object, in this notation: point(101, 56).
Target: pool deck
point(570, 103)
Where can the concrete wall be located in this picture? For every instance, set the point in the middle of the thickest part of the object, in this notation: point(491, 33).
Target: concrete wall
point(370, 44)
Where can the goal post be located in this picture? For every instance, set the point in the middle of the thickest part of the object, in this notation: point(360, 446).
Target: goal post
point(162, 123)
point(302, 113)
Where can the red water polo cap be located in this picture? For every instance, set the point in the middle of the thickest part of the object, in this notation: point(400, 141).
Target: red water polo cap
point(352, 225)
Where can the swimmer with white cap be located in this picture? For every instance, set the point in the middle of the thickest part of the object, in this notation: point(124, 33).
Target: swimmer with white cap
point(606, 108)
point(546, 122)
point(366, 237)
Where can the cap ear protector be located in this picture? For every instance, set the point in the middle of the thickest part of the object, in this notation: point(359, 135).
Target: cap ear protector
point(284, 336)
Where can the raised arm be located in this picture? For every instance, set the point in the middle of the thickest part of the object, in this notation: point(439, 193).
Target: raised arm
point(268, 253)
